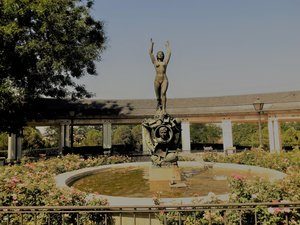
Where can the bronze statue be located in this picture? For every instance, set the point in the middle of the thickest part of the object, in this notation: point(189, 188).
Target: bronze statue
point(161, 80)
point(163, 132)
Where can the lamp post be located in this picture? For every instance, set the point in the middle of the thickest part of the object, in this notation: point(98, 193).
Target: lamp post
point(258, 106)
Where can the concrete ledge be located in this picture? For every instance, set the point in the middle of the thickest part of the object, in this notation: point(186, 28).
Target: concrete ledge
point(64, 180)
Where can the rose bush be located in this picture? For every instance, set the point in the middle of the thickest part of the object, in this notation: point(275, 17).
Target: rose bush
point(243, 190)
point(257, 157)
point(33, 184)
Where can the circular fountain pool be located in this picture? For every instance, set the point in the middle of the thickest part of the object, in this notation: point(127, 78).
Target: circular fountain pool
point(129, 184)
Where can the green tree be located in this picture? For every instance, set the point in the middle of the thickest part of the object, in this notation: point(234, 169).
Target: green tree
point(291, 137)
point(128, 135)
point(93, 137)
point(243, 133)
point(122, 135)
point(51, 137)
point(32, 138)
point(136, 133)
point(287, 125)
point(3, 141)
point(79, 135)
point(290, 133)
point(45, 46)
point(11, 101)
point(247, 134)
point(205, 133)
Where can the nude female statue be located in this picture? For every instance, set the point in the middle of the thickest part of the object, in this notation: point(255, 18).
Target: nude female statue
point(161, 80)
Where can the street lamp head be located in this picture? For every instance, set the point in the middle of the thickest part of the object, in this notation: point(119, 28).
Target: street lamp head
point(258, 105)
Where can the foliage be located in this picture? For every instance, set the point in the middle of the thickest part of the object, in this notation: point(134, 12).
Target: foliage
point(79, 134)
point(93, 138)
point(11, 103)
point(244, 190)
point(33, 184)
point(137, 138)
point(41, 152)
point(205, 133)
point(190, 157)
point(45, 46)
point(32, 138)
point(87, 136)
point(51, 137)
point(290, 134)
point(257, 157)
point(3, 141)
point(247, 134)
point(127, 135)
point(195, 218)
point(122, 135)
point(259, 190)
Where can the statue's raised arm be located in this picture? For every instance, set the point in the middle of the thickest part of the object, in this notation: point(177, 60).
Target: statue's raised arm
point(168, 53)
point(151, 51)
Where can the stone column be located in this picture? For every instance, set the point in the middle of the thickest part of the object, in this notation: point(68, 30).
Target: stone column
point(72, 135)
point(67, 135)
point(12, 145)
point(274, 135)
point(61, 137)
point(106, 129)
point(227, 134)
point(146, 150)
point(19, 147)
point(185, 136)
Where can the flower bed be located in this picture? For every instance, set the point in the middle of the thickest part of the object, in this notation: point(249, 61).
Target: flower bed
point(33, 184)
point(259, 190)
point(282, 162)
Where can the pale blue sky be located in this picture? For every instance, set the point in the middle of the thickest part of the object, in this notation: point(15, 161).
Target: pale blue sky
point(219, 47)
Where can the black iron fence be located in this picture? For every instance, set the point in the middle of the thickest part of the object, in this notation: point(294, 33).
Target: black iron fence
point(247, 213)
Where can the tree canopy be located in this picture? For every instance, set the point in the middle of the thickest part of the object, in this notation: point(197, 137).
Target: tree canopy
point(290, 134)
point(45, 46)
point(33, 138)
point(205, 133)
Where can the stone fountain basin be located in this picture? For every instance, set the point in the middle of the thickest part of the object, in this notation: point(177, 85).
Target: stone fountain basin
point(65, 180)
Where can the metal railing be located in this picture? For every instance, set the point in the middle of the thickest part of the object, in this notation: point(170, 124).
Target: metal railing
point(246, 213)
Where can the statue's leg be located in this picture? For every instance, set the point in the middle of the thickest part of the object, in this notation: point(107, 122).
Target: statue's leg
point(164, 88)
point(157, 88)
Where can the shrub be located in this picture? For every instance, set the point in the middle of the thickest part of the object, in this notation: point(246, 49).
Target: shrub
point(33, 184)
point(245, 191)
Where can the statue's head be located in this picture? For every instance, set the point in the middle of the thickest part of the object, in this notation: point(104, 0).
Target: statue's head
point(160, 56)
point(163, 133)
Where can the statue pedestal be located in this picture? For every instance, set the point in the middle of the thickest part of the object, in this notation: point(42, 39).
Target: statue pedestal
point(164, 174)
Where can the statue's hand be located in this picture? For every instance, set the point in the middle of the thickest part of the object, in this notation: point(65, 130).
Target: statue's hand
point(151, 41)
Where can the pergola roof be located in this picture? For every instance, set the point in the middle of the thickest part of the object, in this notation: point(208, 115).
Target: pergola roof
point(130, 108)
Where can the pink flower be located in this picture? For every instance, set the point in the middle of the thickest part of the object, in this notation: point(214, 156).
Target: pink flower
point(14, 197)
point(278, 210)
point(271, 210)
point(238, 177)
point(161, 212)
point(14, 180)
point(30, 165)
